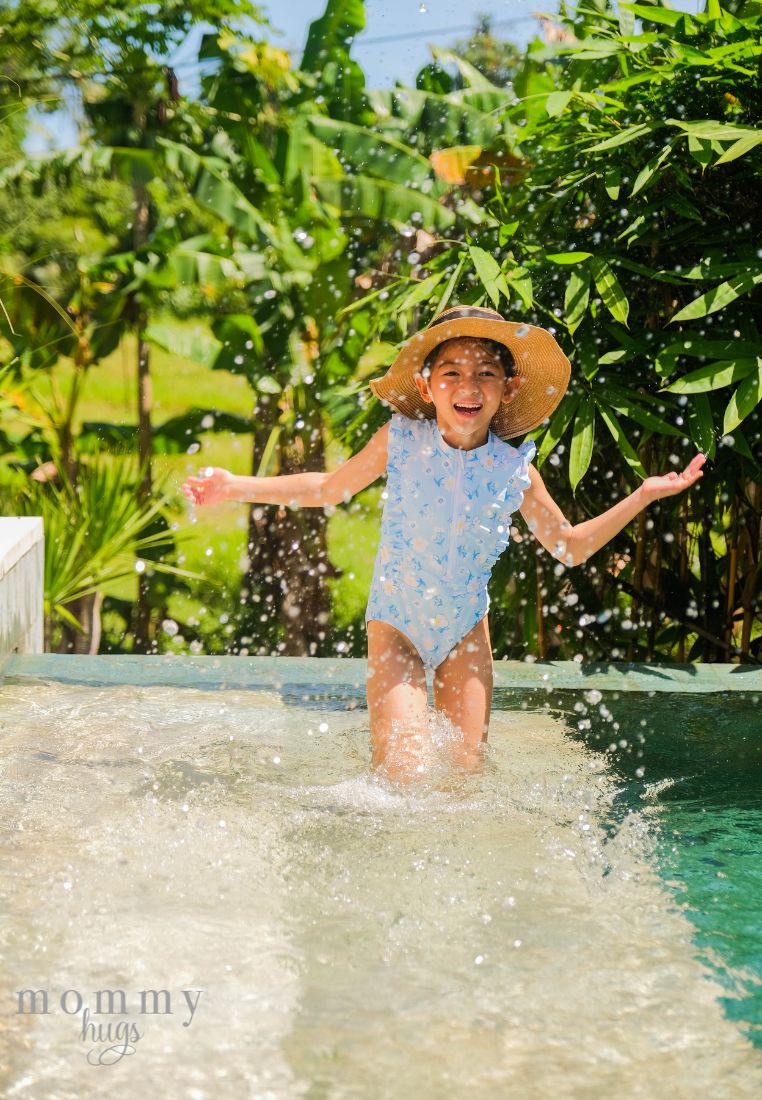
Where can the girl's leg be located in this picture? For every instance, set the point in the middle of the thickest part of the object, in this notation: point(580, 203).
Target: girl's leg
point(397, 699)
point(463, 690)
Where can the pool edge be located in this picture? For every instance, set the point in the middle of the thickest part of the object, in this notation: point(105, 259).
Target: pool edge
point(252, 673)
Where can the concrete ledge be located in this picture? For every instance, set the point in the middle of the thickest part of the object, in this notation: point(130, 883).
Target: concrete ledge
point(22, 572)
point(326, 674)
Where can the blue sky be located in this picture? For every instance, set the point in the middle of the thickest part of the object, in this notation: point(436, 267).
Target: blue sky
point(394, 45)
point(413, 30)
point(440, 23)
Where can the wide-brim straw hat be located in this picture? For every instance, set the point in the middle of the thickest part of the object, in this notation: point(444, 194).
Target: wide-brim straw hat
point(539, 362)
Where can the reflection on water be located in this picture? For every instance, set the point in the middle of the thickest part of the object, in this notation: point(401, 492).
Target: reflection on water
point(502, 931)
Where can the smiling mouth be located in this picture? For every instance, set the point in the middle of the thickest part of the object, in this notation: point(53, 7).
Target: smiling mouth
point(467, 409)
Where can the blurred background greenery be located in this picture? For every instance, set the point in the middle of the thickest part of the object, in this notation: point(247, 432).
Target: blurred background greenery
point(212, 279)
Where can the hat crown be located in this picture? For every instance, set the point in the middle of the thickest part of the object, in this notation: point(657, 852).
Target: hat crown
point(459, 313)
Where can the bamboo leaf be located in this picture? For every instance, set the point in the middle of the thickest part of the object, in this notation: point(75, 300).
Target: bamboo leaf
point(649, 170)
point(701, 424)
point(421, 291)
point(744, 400)
point(738, 148)
point(632, 133)
point(567, 257)
point(617, 431)
point(712, 130)
point(718, 297)
point(521, 281)
point(697, 348)
point(451, 284)
point(559, 422)
point(557, 102)
point(576, 298)
point(623, 402)
point(490, 275)
point(612, 181)
point(655, 14)
point(611, 292)
point(713, 376)
point(583, 437)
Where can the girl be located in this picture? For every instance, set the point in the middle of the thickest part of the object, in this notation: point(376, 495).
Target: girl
point(459, 390)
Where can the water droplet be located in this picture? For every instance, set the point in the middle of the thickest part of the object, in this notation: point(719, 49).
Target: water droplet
point(522, 330)
point(422, 9)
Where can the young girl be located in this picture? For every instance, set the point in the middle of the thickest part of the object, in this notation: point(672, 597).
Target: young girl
point(460, 389)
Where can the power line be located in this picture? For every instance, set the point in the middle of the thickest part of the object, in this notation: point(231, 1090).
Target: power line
point(440, 30)
point(195, 64)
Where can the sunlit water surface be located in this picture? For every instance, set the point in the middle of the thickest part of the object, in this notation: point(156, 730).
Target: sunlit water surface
point(506, 933)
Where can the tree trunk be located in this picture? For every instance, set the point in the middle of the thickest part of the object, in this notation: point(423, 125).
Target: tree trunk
point(637, 582)
point(709, 587)
point(285, 584)
point(750, 589)
point(682, 567)
point(87, 610)
point(541, 650)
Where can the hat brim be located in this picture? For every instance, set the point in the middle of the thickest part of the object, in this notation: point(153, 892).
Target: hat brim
point(540, 363)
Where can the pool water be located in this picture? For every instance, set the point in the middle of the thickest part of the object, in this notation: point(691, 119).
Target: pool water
point(701, 762)
point(553, 925)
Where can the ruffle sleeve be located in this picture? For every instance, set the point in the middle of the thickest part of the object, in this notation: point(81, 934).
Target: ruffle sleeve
point(400, 438)
point(518, 473)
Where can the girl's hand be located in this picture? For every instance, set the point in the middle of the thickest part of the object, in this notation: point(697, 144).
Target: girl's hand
point(212, 486)
point(667, 485)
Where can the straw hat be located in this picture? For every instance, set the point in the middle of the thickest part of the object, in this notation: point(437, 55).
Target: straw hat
point(540, 363)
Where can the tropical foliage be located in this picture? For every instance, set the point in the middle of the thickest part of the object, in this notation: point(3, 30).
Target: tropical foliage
point(602, 184)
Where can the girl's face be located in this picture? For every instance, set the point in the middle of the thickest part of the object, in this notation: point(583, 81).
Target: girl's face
point(467, 384)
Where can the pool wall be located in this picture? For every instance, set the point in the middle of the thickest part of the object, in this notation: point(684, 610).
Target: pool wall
point(22, 571)
point(322, 675)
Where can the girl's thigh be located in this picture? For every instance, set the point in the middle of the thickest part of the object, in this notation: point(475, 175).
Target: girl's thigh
point(463, 686)
point(396, 691)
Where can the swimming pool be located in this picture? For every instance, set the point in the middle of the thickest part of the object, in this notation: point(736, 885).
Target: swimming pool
point(580, 917)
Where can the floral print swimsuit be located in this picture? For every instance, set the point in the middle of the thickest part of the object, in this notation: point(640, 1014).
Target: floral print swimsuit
point(446, 520)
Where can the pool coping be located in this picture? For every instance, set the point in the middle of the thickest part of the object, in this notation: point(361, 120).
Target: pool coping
point(261, 673)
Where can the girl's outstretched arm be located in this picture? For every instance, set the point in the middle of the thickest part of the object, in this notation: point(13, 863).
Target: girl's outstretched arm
point(574, 543)
point(311, 490)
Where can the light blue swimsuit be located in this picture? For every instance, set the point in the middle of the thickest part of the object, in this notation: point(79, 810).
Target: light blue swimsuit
point(446, 520)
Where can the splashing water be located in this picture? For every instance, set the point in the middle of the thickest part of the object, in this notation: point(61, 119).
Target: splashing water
point(351, 931)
